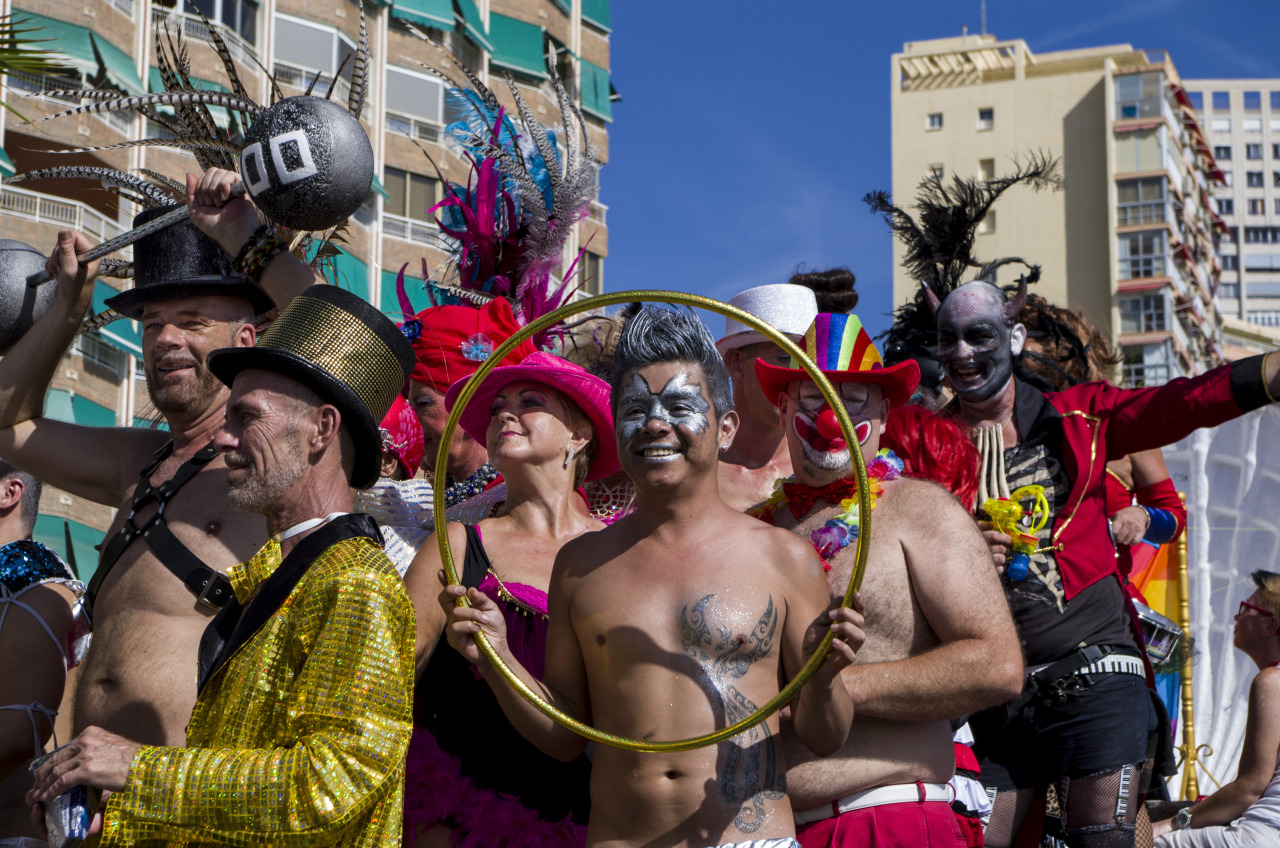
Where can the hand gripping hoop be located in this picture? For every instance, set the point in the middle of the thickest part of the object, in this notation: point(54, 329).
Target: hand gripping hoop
point(792, 689)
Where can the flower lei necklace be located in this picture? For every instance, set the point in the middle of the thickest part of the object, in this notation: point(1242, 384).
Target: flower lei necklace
point(842, 529)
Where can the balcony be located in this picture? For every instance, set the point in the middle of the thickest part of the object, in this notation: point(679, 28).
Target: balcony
point(413, 127)
point(60, 213)
point(192, 27)
point(34, 85)
point(597, 211)
point(418, 232)
point(289, 76)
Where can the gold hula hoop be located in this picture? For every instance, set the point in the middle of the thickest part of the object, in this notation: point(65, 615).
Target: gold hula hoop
point(788, 692)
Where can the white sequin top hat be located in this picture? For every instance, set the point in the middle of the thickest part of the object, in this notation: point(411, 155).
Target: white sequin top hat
point(788, 308)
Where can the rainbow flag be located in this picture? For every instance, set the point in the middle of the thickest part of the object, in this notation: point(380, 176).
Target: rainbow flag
point(1154, 576)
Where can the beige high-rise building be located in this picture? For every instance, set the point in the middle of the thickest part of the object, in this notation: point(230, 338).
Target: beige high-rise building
point(111, 44)
point(1131, 239)
point(1241, 118)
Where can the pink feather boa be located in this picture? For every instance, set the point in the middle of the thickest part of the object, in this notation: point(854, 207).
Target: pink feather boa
point(437, 792)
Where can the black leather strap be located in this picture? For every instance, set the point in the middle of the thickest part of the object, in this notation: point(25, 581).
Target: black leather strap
point(209, 586)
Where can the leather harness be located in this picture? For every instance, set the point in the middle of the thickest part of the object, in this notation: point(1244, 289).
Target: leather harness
point(211, 588)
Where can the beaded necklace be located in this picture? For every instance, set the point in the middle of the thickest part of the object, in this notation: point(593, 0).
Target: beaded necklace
point(505, 595)
point(842, 529)
point(474, 484)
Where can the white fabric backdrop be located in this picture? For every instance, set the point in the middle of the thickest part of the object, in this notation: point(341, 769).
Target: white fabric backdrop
point(1231, 477)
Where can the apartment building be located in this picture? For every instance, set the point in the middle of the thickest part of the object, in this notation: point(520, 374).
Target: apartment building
point(111, 44)
point(1132, 239)
point(1242, 121)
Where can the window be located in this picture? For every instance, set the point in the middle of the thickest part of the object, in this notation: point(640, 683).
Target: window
point(1253, 179)
point(1197, 100)
point(1222, 152)
point(1278, 205)
point(1226, 179)
point(1256, 207)
point(1221, 125)
point(1230, 262)
point(1140, 150)
point(97, 352)
point(1142, 255)
point(986, 119)
point(1262, 235)
point(1229, 291)
point(412, 195)
point(415, 104)
point(1275, 101)
point(1261, 262)
point(1226, 206)
point(1141, 371)
point(591, 273)
point(987, 169)
point(1252, 125)
point(1253, 101)
point(1140, 201)
point(1139, 95)
point(241, 16)
point(1267, 318)
point(1253, 151)
point(988, 223)
point(937, 171)
point(1142, 314)
point(305, 50)
point(1275, 151)
point(1221, 101)
point(934, 121)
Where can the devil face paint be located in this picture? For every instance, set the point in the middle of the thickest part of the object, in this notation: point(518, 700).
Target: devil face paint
point(975, 345)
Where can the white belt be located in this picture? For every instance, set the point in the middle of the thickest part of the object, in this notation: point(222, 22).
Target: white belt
point(902, 793)
point(1111, 664)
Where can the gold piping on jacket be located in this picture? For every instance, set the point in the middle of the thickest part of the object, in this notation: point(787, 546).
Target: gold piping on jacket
point(1093, 456)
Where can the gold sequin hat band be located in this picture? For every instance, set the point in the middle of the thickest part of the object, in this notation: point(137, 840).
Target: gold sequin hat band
point(343, 349)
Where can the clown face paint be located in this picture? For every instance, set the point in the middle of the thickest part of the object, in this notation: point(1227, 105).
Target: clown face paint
point(680, 405)
point(822, 447)
point(975, 345)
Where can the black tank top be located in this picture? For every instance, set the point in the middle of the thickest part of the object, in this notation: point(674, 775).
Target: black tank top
point(467, 722)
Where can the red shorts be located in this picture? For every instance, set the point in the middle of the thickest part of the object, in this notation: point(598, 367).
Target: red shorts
point(909, 825)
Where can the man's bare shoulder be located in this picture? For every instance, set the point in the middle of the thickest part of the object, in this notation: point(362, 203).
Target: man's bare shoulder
point(921, 502)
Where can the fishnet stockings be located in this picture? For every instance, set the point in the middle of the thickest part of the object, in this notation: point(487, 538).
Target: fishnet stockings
point(1098, 811)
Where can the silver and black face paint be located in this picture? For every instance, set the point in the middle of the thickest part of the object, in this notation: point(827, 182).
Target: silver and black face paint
point(679, 404)
point(974, 342)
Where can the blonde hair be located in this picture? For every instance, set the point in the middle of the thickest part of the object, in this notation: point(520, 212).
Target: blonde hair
point(1269, 585)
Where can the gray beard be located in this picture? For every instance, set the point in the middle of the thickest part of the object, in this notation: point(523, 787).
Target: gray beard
point(261, 492)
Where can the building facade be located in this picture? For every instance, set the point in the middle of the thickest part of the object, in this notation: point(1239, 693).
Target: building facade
point(1242, 121)
point(112, 44)
point(1132, 238)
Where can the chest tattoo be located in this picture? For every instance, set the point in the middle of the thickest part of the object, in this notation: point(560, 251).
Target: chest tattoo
point(750, 774)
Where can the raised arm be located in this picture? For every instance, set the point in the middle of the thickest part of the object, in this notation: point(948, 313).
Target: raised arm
point(565, 680)
point(94, 462)
point(823, 712)
point(1257, 758)
point(231, 222)
point(978, 661)
point(353, 721)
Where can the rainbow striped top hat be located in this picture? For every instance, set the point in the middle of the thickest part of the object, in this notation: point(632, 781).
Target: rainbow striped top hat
point(840, 346)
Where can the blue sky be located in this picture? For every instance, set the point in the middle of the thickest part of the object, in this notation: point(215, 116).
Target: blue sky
point(750, 130)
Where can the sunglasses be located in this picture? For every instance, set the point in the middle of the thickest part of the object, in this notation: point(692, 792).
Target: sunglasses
point(1245, 605)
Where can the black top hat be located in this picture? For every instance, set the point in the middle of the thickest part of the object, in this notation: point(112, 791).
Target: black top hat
point(344, 350)
point(181, 261)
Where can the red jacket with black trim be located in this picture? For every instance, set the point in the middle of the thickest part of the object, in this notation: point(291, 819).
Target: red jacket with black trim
point(1101, 422)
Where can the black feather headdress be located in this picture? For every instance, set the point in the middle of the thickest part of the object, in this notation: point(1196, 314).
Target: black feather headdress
point(939, 245)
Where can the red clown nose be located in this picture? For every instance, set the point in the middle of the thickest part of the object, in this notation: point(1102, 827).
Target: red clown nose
point(828, 424)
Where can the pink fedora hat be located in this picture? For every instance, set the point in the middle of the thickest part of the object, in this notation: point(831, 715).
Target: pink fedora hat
point(589, 392)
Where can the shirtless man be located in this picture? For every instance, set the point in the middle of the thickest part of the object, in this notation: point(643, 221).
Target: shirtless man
point(758, 455)
point(940, 640)
point(138, 679)
point(678, 619)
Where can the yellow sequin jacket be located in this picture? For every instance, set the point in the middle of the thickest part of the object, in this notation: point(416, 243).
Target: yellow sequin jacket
point(299, 739)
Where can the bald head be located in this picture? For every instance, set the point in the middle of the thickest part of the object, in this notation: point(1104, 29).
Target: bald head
point(977, 342)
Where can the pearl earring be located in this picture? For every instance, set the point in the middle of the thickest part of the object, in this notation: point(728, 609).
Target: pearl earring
point(568, 459)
